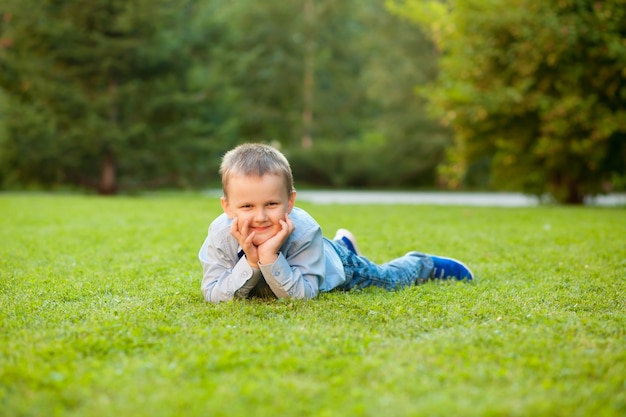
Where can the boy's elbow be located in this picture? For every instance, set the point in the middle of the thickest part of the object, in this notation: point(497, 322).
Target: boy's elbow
point(302, 290)
point(212, 296)
point(207, 296)
point(307, 293)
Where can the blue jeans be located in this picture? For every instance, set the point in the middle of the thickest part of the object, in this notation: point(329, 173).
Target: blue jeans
point(412, 268)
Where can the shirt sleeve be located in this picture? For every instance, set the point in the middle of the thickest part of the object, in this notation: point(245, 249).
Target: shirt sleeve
point(299, 273)
point(225, 276)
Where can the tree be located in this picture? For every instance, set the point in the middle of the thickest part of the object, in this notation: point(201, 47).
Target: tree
point(398, 57)
point(536, 88)
point(120, 94)
point(341, 75)
point(296, 77)
point(106, 90)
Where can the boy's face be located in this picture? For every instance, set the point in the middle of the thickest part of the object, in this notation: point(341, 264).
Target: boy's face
point(260, 201)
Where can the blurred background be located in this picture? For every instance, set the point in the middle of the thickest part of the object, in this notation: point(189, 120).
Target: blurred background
point(113, 96)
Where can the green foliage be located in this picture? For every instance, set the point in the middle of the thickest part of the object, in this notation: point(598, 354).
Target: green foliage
point(102, 315)
point(109, 88)
point(370, 129)
point(262, 58)
point(363, 83)
point(536, 88)
point(369, 162)
point(160, 90)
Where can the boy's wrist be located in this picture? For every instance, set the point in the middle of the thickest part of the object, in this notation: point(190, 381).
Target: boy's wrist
point(252, 262)
point(268, 259)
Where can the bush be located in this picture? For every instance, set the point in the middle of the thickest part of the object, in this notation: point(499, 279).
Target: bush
point(368, 164)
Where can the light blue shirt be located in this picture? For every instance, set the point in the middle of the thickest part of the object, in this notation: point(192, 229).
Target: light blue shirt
point(306, 264)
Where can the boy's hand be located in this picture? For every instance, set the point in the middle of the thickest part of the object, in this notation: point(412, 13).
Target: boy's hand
point(245, 241)
point(268, 250)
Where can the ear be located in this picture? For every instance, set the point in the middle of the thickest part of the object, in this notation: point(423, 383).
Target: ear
point(226, 207)
point(291, 202)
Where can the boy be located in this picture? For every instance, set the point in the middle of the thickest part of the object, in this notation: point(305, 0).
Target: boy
point(264, 246)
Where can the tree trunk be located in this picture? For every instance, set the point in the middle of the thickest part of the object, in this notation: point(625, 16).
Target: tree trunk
point(309, 76)
point(107, 184)
point(574, 196)
point(567, 190)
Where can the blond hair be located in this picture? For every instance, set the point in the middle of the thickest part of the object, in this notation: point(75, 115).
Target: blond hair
point(256, 159)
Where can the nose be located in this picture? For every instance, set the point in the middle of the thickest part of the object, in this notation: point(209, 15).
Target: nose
point(260, 215)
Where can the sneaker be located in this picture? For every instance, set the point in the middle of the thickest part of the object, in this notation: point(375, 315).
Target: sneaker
point(445, 268)
point(348, 238)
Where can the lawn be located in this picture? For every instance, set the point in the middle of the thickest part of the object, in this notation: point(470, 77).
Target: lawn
point(101, 315)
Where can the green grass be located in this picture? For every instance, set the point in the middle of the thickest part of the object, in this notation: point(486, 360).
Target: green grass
point(101, 315)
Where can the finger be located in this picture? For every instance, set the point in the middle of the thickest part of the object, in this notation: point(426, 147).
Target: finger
point(248, 240)
point(283, 228)
point(234, 229)
point(286, 228)
point(244, 228)
point(289, 223)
